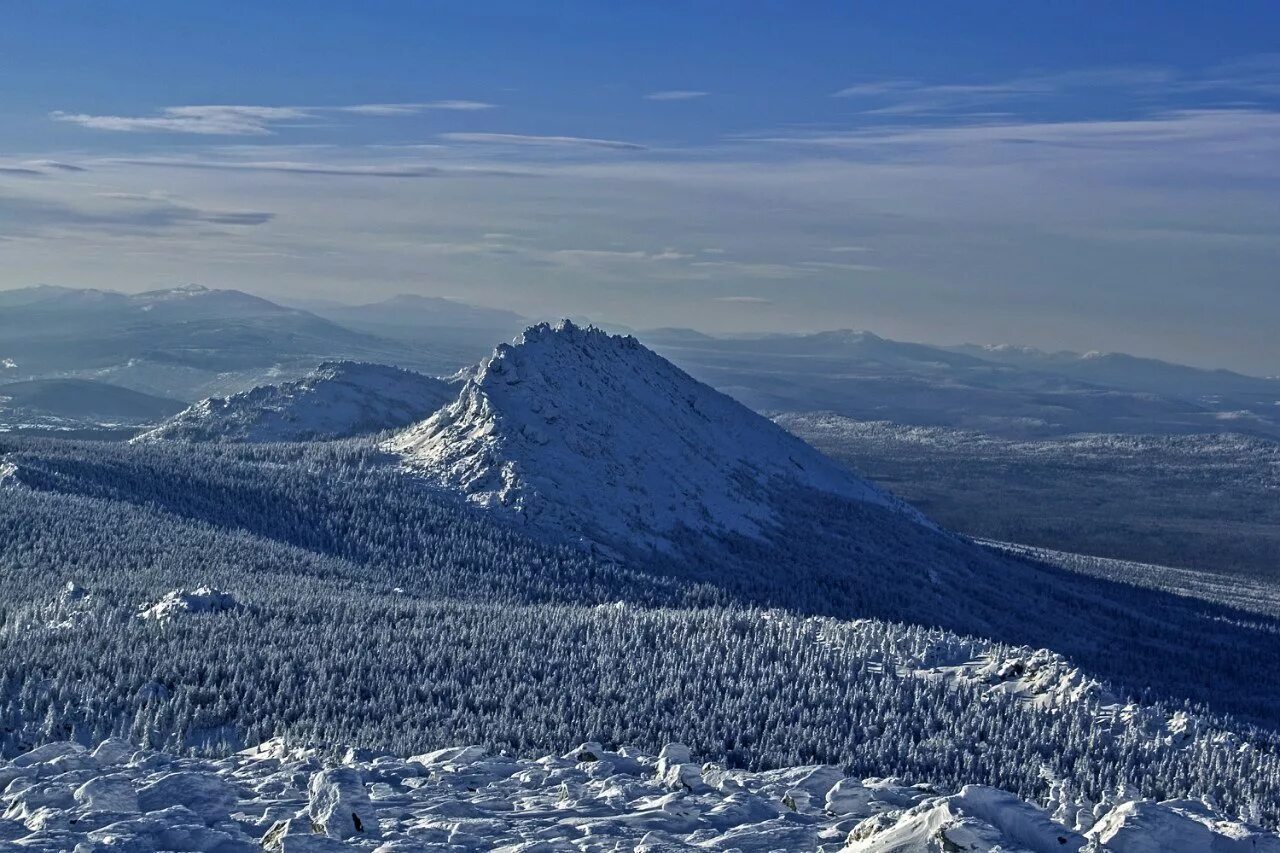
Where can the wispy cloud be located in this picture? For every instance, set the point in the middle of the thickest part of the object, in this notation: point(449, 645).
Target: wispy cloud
point(676, 95)
point(607, 255)
point(526, 139)
point(412, 109)
point(337, 169)
point(116, 214)
point(744, 300)
point(1178, 127)
point(55, 166)
point(248, 120)
point(205, 120)
point(1144, 84)
point(832, 265)
point(37, 168)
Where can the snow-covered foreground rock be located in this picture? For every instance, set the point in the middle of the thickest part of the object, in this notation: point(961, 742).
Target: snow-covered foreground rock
point(581, 430)
point(61, 797)
point(337, 400)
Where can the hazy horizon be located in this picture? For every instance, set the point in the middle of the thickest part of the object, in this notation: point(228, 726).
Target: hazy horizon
point(1056, 178)
point(305, 302)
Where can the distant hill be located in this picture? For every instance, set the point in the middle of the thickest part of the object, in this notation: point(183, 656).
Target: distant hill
point(408, 314)
point(78, 404)
point(337, 400)
point(1130, 372)
point(183, 342)
point(999, 390)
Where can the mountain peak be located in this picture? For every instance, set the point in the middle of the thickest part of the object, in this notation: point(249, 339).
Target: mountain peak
point(594, 433)
point(336, 400)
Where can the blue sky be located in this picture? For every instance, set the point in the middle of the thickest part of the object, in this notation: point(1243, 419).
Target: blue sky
point(1083, 175)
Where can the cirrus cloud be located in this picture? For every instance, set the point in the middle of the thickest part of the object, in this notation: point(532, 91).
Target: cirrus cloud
point(676, 95)
point(554, 141)
point(248, 120)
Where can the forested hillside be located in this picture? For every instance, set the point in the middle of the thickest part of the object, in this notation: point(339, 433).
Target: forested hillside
point(371, 610)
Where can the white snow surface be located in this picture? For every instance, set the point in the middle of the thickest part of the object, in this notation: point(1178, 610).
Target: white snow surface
point(582, 430)
point(337, 400)
point(277, 797)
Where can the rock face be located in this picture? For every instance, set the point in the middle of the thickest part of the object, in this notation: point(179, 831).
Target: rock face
point(180, 601)
point(338, 400)
point(581, 430)
point(281, 798)
point(340, 806)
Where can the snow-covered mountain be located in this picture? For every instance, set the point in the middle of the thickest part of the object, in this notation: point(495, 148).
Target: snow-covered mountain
point(337, 400)
point(579, 429)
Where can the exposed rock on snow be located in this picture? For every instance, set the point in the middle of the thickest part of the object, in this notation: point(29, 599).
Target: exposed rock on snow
point(1042, 677)
point(339, 804)
point(339, 399)
point(285, 799)
point(578, 429)
point(179, 602)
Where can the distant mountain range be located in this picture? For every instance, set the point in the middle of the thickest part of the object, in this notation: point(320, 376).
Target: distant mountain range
point(186, 342)
point(407, 313)
point(1001, 390)
point(189, 343)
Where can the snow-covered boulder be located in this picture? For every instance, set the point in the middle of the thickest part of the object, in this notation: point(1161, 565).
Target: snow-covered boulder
point(457, 756)
point(115, 793)
point(976, 819)
point(174, 828)
point(683, 777)
point(298, 835)
point(47, 752)
point(114, 751)
point(209, 796)
point(847, 797)
point(673, 753)
point(677, 771)
point(340, 805)
point(1179, 826)
point(28, 799)
point(589, 751)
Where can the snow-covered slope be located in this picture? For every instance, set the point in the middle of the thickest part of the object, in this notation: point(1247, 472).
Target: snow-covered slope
point(292, 799)
point(593, 432)
point(339, 399)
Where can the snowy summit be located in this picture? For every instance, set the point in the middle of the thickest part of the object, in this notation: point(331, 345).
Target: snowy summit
point(576, 428)
point(337, 400)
